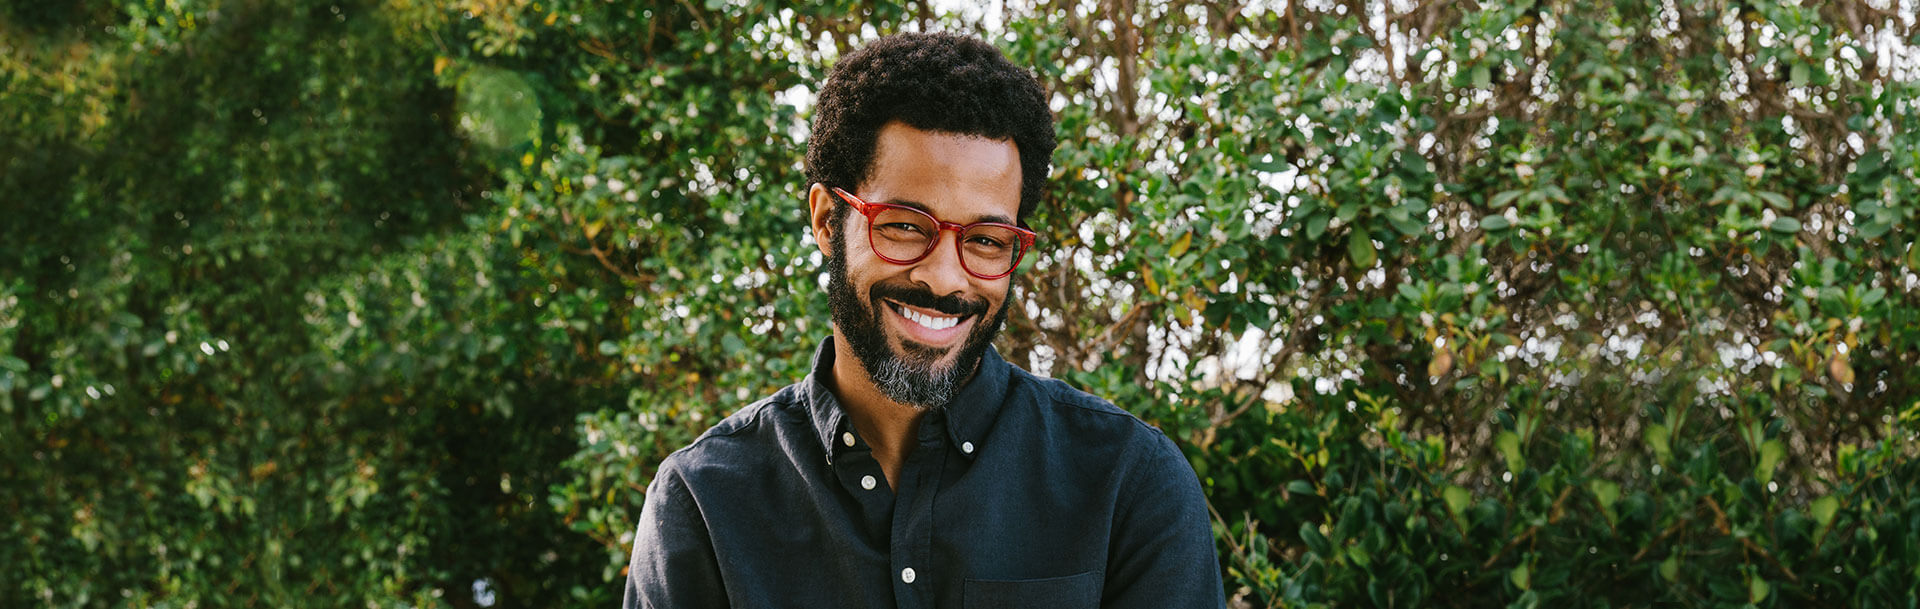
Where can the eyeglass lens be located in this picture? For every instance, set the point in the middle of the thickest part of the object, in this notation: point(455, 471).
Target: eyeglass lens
point(906, 235)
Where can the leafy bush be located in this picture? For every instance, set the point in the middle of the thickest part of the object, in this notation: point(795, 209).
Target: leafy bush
point(381, 303)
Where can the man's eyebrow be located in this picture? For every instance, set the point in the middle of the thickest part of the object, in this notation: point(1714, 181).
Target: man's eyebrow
point(929, 211)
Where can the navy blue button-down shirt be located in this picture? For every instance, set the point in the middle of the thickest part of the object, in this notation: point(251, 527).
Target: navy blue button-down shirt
point(1022, 492)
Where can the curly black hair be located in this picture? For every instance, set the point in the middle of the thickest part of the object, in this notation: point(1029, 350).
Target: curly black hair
point(935, 82)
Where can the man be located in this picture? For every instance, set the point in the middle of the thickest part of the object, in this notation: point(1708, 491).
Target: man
point(914, 467)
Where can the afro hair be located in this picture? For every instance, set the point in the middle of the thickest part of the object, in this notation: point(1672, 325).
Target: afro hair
point(934, 82)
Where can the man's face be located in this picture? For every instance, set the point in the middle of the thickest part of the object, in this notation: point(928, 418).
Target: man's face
point(919, 330)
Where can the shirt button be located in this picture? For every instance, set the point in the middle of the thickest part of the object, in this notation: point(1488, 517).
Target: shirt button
point(906, 575)
point(847, 437)
point(966, 447)
point(867, 483)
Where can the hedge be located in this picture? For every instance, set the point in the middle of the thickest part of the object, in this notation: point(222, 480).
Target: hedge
point(400, 302)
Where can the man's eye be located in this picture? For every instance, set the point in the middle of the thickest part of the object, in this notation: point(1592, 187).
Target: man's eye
point(903, 226)
point(988, 242)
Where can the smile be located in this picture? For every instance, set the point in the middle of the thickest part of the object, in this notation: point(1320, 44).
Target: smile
point(931, 327)
point(930, 321)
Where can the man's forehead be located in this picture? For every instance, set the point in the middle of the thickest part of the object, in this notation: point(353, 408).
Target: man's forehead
point(964, 176)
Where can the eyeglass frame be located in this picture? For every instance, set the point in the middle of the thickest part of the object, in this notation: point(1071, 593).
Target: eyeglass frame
point(870, 210)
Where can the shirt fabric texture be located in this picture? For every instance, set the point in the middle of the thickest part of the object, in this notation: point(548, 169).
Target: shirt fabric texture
point(1021, 492)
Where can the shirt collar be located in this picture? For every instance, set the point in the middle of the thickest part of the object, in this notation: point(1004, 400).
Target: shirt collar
point(972, 413)
point(969, 416)
point(829, 419)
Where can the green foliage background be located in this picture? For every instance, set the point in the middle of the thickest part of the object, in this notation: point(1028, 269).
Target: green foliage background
point(1450, 305)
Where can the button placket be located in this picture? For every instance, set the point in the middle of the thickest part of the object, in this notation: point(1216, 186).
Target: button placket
point(918, 484)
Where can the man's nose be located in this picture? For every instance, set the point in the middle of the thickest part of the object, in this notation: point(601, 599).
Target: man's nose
point(941, 271)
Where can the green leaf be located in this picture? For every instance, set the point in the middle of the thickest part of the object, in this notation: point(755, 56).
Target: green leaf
point(1521, 577)
point(1495, 223)
point(1315, 541)
point(1874, 229)
point(1670, 568)
point(1656, 438)
point(1413, 164)
point(1505, 198)
point(1360, 250)
point(1554, 193)
point(1757, 590)
point(1786, 225)
point(1300, 487)
point(1509, 445)
point(1799, 74)
point(1403, 221)
point(1777, 200)
point(1359, 554)
point(1457, 499)
point(1409, 292)
point(1316, 226)
point(1823, 510)
point(1770, 454)
point(1873, 297)
point(1605, 491)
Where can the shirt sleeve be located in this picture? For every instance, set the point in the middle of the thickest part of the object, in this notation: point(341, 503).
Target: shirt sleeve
point(673, 561)
point(1162, 548)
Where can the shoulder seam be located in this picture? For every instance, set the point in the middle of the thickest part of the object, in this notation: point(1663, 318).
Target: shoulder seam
point(747, 419)
point(1090, 403)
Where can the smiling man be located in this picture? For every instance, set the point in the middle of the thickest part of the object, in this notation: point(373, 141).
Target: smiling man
point(914, 467)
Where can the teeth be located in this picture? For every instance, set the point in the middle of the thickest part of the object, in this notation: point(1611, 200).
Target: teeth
point(929, 321)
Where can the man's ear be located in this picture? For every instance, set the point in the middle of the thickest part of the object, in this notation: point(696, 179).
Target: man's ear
point(820, 215)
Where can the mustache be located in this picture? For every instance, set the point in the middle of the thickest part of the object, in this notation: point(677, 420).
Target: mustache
point(951, 304)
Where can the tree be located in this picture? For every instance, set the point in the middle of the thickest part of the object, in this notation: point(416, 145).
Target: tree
point(1449, 305)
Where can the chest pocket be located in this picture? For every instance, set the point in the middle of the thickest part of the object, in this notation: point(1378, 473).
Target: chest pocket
point(1071, 592)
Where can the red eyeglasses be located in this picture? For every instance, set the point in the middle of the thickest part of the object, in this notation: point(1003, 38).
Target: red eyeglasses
point(904, 235)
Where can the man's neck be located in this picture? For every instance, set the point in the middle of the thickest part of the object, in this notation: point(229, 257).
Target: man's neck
point(889, 427)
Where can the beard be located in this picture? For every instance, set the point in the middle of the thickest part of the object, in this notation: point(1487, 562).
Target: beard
point(914, 377)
